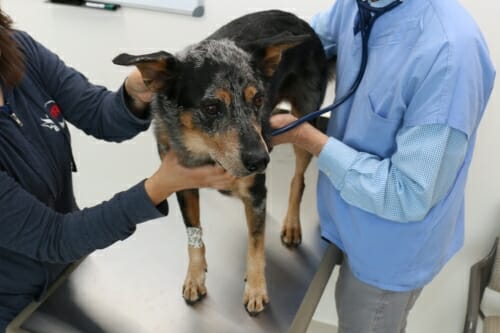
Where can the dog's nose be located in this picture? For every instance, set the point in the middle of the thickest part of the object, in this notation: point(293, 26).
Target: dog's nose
point(255, 161)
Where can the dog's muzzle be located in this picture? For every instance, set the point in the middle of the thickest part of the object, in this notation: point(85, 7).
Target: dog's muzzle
point(255, 161)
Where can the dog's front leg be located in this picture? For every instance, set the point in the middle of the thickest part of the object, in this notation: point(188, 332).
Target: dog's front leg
point(291, 233)
point(194, 288)
point(255, 297)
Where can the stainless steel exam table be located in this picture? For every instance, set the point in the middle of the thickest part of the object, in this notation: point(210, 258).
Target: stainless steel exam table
point(135, 286)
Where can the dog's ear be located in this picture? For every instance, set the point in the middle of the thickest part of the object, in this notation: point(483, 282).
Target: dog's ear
point(158, 70)
point(268, 51)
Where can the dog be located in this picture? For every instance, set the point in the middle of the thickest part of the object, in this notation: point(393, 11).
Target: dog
point(212, 105)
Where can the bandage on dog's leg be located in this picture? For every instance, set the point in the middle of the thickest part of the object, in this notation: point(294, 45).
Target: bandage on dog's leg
point(194, 285)
point(194, 237)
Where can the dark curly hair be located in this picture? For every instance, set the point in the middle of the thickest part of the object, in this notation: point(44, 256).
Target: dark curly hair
point(11, 57)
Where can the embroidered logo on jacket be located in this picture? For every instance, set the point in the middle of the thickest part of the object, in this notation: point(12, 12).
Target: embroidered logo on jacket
point(53, 115)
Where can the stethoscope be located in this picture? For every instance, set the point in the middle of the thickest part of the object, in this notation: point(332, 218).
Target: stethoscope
point(366, 16)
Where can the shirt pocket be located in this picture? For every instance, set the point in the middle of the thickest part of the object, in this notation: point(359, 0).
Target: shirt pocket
point(370, 132)
point(387, 104)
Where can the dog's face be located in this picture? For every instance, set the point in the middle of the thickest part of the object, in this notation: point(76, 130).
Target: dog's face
point(211, 101)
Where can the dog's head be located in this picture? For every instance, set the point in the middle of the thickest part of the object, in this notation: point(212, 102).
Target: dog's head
point(212, 99)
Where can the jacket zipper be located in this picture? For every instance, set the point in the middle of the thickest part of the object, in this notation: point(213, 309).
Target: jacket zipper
point(7, 109)
point(18, 121)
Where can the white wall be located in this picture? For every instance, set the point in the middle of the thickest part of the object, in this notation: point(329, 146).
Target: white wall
point(88, 39)
point(441, 308)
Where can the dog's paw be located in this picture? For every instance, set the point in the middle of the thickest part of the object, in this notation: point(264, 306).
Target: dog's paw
point(194, 289)
point(291, 234)
point(255, 300)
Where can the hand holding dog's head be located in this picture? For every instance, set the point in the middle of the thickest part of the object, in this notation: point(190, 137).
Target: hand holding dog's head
point(157, 69)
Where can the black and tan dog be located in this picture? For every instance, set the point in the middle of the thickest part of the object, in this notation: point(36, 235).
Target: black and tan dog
point(212, 105)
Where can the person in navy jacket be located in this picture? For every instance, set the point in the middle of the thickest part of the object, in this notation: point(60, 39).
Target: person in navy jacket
point(41, 228)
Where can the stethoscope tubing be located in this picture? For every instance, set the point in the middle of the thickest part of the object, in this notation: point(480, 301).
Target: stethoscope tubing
point(365, 29)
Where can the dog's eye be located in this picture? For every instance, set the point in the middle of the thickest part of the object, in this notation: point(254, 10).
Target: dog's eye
point(258, 100)
point(211, 109)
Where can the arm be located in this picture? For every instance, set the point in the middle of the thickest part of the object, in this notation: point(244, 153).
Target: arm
point(444, 104)
point(39, 232)
point(401, 188)
point(325, 25)
point(405, 186)
point(92, 108)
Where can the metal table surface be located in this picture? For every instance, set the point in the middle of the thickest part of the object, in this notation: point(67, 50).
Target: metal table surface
point(135, 286)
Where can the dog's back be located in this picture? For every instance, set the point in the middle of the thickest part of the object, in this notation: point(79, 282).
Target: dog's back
point(303, 71)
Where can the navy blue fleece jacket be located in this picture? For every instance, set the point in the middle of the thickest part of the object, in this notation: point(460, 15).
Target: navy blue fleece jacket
point(41, 227)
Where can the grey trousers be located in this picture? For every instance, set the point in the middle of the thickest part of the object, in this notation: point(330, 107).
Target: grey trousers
point(362, 308)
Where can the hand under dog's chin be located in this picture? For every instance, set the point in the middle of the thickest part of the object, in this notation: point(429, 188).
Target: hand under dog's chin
point(237, 172)
point(240, 174)
point(243, 173)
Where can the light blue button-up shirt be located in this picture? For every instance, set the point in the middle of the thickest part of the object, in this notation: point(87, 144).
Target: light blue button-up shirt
point(400, 148)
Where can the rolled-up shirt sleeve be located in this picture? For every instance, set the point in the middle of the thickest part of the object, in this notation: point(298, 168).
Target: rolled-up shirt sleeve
point(404, 187)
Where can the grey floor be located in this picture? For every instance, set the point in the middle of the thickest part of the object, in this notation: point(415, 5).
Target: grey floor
point(319, 327)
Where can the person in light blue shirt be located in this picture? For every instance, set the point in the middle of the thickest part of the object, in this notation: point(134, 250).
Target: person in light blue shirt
point(394, 161)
